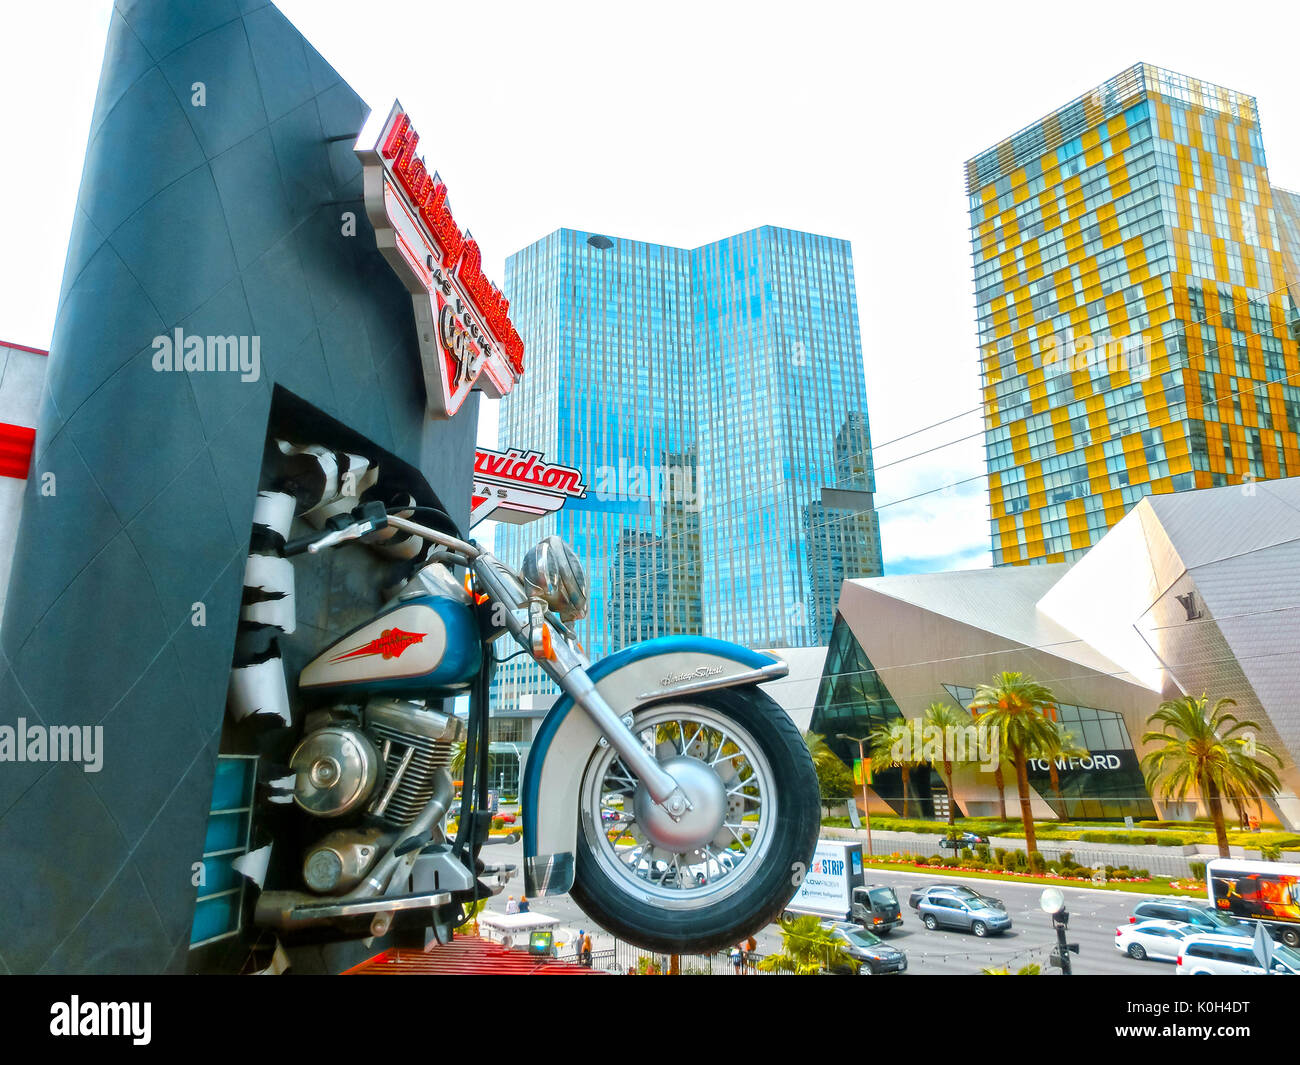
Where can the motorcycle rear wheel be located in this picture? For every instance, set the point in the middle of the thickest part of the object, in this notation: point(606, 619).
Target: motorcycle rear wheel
point(688, 887)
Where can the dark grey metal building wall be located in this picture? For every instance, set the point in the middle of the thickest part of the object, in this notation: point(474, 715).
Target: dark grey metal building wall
point(221, 219)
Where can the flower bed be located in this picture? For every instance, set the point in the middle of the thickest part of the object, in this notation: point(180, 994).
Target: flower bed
point(1119, 874)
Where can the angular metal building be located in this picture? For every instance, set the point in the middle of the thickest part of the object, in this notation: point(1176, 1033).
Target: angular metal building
point(1192, 593)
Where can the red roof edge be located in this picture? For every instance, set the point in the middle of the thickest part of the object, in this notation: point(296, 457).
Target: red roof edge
point(466, 956)
point(22, 347)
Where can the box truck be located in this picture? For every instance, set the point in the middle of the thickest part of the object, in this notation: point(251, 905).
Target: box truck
point(834, 887)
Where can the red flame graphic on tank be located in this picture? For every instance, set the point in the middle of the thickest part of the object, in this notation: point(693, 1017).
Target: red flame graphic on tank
point(390, 643)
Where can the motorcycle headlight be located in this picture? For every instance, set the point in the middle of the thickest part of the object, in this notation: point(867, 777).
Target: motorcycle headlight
point(551, 571)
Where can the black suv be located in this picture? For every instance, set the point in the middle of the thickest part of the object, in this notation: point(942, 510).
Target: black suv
point(966, 839)
point(872, 956)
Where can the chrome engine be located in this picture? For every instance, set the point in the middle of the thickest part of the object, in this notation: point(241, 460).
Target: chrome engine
point(416, 746)
point(388, 770)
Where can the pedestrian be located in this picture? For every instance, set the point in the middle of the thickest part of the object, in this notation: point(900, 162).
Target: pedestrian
point(511, 905)
point(751, 955)
point(523, 903)
point(586, 950)
point(577, 946)
point(737, 958)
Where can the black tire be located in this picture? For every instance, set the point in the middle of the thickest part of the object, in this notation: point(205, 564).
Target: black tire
point(930, 922)
point(1137, 952)
point(765, 891)
point(980, 929)
point(1291, 937)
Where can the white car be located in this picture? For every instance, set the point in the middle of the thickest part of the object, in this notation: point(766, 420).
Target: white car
point(1209, 955)
point(1162, 940)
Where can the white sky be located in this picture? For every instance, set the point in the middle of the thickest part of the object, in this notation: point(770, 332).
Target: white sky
point(684, 122)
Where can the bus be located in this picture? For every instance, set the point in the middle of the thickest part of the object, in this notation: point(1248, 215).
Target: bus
point(1268, 892)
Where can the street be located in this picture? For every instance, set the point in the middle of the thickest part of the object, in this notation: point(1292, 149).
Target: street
point(1094, 916)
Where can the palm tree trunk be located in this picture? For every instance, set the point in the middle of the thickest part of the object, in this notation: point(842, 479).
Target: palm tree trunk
point(1062, 814)
point(952, 801)
point(1215, 803)
point(1002, 792)
point(1022, 789)
point(907, 791)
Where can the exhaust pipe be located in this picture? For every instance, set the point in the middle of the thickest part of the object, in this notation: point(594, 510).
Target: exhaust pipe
point(295, 910)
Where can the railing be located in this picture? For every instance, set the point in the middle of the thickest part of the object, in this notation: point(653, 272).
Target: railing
point(626, 959)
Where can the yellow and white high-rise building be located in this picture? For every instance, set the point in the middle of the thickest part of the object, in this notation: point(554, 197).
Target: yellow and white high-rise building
point(1137, 332)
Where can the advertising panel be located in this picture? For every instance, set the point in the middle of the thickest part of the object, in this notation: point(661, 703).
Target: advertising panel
point(1246, 890)
point(828, 884)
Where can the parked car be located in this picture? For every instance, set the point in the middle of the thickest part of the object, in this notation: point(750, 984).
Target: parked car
point(959, 890)
point(1213, 955)
point(966, 839)
point(946, 909)
point(872, 955)
point(1191, 912)
point(1161, 940)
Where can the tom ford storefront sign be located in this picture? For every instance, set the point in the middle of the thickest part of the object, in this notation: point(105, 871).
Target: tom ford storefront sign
point(467, 340)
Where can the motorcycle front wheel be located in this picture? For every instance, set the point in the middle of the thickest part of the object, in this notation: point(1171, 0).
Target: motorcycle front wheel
point(730, 865)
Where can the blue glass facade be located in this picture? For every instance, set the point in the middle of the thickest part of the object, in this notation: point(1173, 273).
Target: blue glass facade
point(702, 393)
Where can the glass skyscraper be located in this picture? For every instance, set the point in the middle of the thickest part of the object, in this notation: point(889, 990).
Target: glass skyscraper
point(715, 400)
point(1136, 330)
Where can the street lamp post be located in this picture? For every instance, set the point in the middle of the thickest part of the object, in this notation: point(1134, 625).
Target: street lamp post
point(862, 758)
point(1052, 902)
point(519, 761)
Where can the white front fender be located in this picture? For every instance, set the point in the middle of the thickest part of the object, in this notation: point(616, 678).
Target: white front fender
point(649, 672)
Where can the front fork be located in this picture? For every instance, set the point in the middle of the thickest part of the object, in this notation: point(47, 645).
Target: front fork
point(566, 667)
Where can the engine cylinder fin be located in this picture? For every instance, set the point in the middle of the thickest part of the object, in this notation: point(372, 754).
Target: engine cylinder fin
point(411, 784)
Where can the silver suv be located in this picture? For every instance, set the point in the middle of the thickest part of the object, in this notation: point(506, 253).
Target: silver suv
point(947, 909)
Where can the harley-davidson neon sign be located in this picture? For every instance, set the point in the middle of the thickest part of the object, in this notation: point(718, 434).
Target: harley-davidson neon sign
point(466, 337)
point(520, 486)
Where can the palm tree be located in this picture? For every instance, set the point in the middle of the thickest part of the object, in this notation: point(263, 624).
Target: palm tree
point(823, 758)
point(806, 949)
point(890, 747)
point(833, 776)
point(1211, 751)
point(943, 717)
point(1014, 704)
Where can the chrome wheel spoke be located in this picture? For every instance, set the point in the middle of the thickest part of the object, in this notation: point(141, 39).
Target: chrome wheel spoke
point(696, 870)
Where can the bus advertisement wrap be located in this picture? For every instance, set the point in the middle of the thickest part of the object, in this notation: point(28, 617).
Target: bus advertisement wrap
point(1263, 891)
